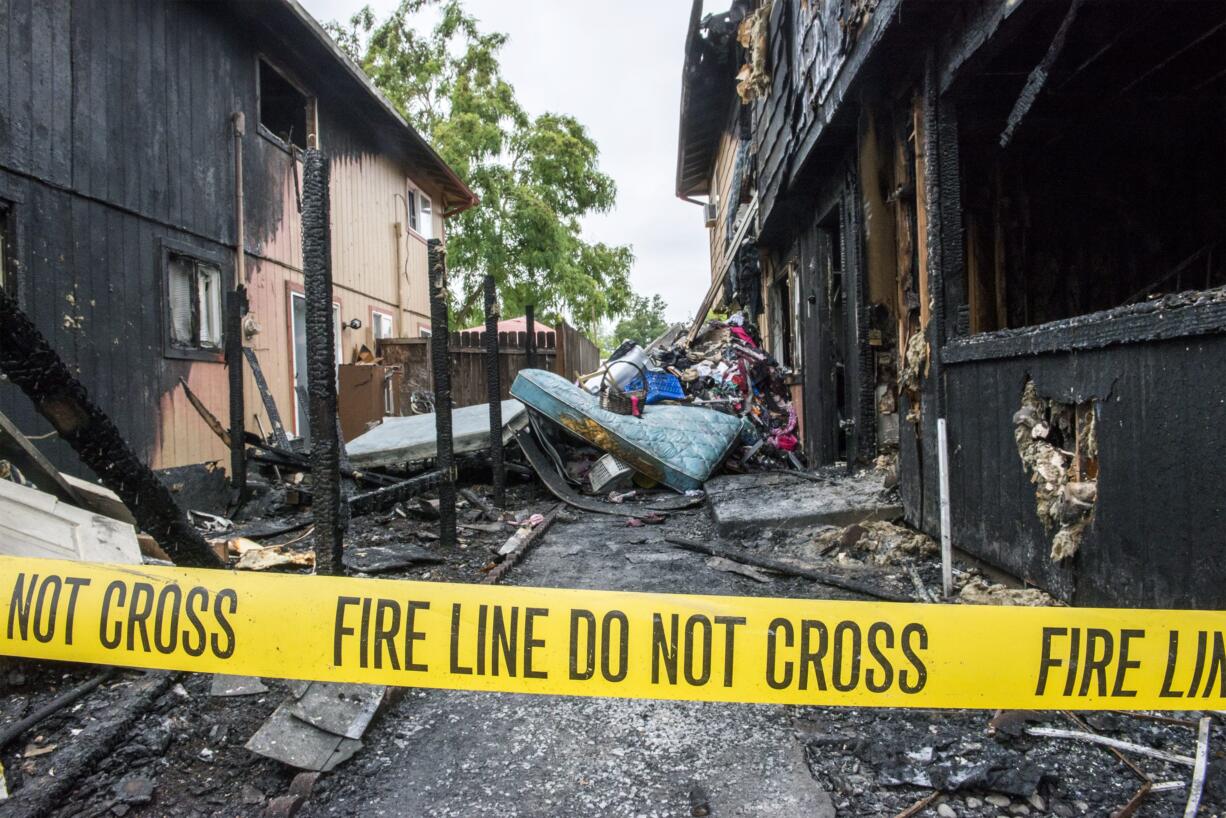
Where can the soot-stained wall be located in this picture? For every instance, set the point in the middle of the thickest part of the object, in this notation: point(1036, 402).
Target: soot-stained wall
point(1159, 526)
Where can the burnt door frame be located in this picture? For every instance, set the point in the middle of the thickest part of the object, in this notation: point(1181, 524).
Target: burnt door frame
point(821, 410)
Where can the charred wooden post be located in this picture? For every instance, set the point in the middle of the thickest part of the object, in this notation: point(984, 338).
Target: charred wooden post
point(321, 365)
point(234, 368)
point(530, 349)
point(31, 364)
point(236, 305)
point(494, 391)
point(440, 359)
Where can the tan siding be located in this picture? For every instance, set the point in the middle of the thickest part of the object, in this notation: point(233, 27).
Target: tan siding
point(721, 181)
point(368, 262)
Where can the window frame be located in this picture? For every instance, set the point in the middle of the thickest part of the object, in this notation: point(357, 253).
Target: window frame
point(376, 313)
point(414, 219)
point(425, 215)
point(417, 215)
point(166, 249)
point(312, 105)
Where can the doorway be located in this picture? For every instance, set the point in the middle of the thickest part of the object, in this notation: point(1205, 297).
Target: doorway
point(297, 301)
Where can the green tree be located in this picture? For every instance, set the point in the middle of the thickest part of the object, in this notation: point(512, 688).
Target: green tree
point(537, 176)
point(643, 321)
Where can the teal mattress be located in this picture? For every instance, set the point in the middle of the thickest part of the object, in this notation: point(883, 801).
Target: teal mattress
point(678, 446)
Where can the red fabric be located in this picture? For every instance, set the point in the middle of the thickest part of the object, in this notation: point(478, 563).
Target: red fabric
point(743, 336)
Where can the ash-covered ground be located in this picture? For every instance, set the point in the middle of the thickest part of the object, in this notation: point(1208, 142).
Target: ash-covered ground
point(442, 753)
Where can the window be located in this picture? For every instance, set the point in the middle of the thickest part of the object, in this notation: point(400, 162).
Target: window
point(286, 112)
point(411, 206)
point(381, 324)
point(194, 303)
point(423, 332)
point(427, 217)
point(421, 213)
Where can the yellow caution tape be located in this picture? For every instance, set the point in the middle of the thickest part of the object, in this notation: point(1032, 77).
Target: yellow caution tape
point(606, 643)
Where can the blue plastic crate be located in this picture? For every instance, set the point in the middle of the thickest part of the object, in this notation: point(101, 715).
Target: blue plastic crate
point(660, 386)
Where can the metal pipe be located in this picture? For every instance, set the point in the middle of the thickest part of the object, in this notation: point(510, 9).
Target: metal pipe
point(440, 358)
point(321, 365)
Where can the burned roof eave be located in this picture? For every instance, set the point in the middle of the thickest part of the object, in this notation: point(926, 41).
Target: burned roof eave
point(707, 84)
point(289, 23)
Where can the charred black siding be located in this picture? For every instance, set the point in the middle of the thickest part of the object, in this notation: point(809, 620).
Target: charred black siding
point(1155, 374)
point(115, 136)
point(1156, 538)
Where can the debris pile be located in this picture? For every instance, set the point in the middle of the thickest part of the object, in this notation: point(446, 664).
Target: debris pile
point(878, 542)
point(979, 591)
point(725, 368)
point(957, 764)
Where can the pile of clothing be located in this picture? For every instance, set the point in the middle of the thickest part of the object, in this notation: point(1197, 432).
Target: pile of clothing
point(726, 368)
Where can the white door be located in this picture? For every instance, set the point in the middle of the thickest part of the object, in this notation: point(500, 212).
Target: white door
point(302, 423)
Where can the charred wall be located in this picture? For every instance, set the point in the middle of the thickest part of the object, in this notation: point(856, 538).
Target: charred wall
point(115, 138)
point(1159, 519)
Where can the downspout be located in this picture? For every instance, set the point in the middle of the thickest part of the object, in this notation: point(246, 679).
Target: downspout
point(401, 275)
point(236, 306)
point(240, 238)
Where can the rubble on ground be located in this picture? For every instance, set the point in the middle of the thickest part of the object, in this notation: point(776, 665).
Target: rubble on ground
point(879, 763)
point(980, 591)
point(878, 542)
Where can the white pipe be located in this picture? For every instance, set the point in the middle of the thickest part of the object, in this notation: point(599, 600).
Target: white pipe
point(947, 560)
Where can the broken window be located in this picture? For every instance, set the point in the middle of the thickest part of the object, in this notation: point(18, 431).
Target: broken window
point(194, 303)
point(286, 112)
point(1090, 151)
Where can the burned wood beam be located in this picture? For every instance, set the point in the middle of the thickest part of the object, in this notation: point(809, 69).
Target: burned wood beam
point(500, 570)
point(1173, 316)
point(33, 366)
point(785, 569)
point(100, 737)
point(390, 495)
point(209, 418)
point(440, 359)
point(20, 452)
point(1038, 76)
point(321, 365)
point(279, 436)
point(234, 369)
point(493, 387)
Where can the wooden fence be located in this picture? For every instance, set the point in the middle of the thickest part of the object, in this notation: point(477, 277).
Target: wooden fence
point(566, 352)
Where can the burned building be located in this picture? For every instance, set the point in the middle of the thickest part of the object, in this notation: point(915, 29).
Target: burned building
point(150, 177)
point(1006, 216)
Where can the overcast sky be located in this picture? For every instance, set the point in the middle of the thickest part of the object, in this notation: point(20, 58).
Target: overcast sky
point(617, 68)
